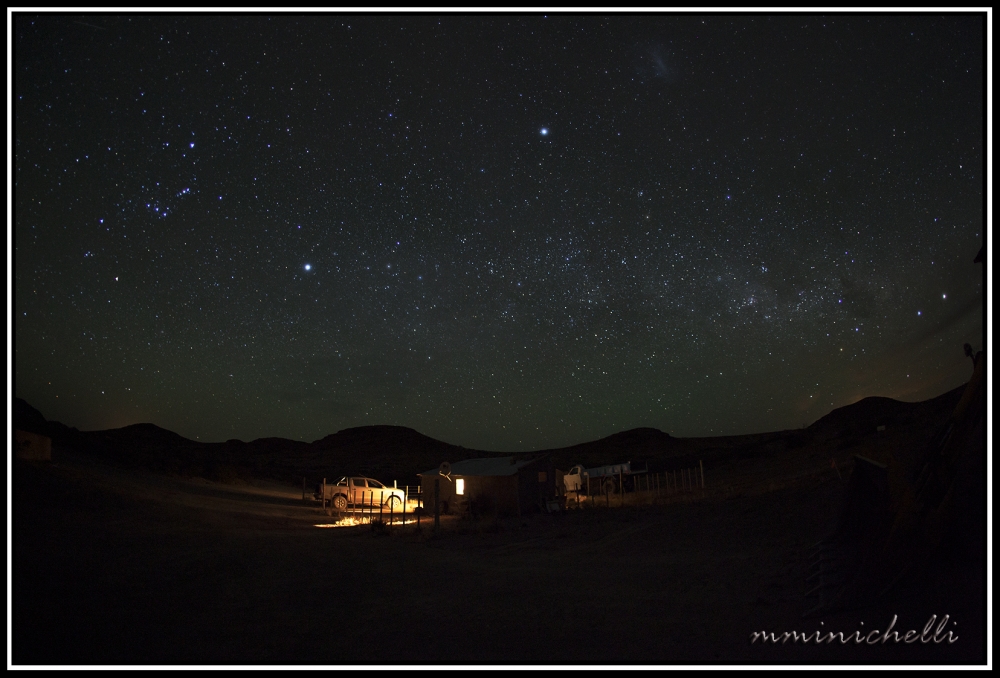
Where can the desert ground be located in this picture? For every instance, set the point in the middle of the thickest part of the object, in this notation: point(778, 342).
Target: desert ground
point(128, 567)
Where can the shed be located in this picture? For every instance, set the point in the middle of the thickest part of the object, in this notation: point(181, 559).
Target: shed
point(505, 485)
point(32, 446)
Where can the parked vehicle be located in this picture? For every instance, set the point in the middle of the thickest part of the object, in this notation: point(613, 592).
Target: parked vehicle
point(359, 491)
point(576, 481)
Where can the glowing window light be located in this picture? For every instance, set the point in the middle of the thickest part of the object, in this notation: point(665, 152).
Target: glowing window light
point(460, 486)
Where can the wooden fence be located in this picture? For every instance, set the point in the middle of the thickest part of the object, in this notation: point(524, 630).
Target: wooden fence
point(734, 479)
point(642, 488)
point(370, 510)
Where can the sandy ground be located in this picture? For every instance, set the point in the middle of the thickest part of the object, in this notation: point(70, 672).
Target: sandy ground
point(123, 567)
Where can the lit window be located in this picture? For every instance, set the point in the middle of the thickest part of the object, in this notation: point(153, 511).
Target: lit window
point(460, 486)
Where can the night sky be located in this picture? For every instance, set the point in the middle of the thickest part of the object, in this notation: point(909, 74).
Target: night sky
point(509, 232)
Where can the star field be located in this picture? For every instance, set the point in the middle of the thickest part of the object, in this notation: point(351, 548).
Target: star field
point(508, 232)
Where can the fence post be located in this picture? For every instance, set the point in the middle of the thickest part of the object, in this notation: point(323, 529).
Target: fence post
point(323, 504)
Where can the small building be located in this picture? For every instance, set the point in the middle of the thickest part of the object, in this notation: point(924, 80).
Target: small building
point(32, 446)
point(501, 485)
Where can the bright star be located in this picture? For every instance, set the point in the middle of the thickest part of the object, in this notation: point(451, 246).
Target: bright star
point(544, 131)
point(308, 267)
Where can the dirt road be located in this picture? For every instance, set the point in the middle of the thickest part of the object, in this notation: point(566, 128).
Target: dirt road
point(122, 567)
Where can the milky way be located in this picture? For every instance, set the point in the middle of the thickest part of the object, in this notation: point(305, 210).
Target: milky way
point(507, 232)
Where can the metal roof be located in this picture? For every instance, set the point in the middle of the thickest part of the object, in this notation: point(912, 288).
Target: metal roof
point(487, 466)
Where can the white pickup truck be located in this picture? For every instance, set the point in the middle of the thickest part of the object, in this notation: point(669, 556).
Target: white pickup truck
point(359, 491)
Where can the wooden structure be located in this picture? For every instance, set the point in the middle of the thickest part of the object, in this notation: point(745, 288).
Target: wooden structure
point(32, 446)
point(500, 485)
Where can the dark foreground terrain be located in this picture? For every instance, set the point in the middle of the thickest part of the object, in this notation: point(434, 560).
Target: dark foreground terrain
point(127, 567)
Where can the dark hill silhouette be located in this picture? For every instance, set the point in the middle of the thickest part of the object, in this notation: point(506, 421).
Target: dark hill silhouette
point(399, 453)
point(385, 452)
point(389, 452)
point(638, 445)
point(379, 435)
point(660, 451)
point(146, 434)
point(27, 418)
point(867, 414)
